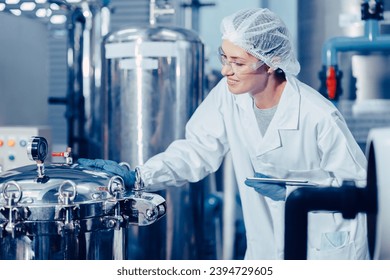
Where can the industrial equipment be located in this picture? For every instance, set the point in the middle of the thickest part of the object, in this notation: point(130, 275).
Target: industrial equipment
point(348, 200)
point(13, 143)
point(87, 23)
point(371, 41)
point(64, 211)
point(131, 92)
point(360, 71)
point(153, 81)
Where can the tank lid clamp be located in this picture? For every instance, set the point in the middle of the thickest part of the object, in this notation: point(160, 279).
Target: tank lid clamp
point(12, 193)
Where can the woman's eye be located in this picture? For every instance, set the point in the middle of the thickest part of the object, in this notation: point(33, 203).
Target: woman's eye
point(238, 64)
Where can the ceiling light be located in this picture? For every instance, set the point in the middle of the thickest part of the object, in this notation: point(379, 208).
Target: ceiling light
point(27, 6)
point(54, 7)
point(10, 2)
point(58, 19)
point(40, 13)
point(16, 12)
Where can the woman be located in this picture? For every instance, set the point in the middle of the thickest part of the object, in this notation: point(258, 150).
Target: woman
point(274, 126)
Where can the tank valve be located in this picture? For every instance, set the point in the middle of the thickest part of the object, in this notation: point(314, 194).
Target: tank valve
point(67, 155)
point(331, 82)
point(37, 150)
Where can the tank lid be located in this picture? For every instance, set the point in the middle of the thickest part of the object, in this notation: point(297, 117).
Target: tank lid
point(155, 33)
point(62, 186)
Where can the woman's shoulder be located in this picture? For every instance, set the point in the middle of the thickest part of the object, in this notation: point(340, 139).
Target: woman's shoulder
point(314, 102)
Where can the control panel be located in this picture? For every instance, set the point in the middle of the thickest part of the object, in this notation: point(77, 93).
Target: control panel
point(13, 144)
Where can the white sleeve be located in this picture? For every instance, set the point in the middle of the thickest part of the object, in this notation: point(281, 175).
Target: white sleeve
point(196, 156)
point(341, 155)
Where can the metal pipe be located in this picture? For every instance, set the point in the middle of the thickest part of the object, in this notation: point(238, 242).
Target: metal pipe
point(372, 12)
point(155, 11)
point(371, 41)
point(229, 208)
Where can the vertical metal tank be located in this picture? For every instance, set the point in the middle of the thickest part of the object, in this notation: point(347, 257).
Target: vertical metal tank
point(153, 81)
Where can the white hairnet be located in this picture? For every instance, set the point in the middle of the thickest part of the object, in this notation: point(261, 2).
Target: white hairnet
point(264, 35)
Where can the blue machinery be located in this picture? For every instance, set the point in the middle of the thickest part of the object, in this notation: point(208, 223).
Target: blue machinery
point(372, 13)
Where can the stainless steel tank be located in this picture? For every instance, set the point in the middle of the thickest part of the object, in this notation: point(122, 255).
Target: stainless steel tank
point(64, 211)
point(153, 83)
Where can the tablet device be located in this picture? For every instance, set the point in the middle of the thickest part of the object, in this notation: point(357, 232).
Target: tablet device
point(281, 181)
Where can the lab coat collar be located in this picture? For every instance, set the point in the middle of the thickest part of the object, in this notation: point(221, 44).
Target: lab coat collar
point(286, 117)
point(287, 114)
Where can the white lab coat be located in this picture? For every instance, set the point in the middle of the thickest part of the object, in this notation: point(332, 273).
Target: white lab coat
point(306, 139)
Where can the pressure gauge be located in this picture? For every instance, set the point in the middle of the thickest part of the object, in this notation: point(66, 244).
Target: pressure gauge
point(37, 148)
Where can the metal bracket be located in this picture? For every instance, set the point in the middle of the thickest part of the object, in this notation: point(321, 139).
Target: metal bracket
point(146, 209)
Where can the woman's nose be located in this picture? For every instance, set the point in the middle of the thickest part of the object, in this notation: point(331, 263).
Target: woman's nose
point(227, 70)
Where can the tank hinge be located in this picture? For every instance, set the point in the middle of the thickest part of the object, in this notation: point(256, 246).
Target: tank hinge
point(145, 209)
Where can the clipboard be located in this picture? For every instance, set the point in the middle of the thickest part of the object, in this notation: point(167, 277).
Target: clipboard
point(290, 182)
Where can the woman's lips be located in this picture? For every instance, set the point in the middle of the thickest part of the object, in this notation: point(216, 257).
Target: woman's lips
point(232, 82)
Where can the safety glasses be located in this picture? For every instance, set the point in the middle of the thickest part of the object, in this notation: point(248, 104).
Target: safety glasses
point(237, 67)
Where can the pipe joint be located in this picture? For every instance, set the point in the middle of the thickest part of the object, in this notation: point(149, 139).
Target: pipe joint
point(372, 10)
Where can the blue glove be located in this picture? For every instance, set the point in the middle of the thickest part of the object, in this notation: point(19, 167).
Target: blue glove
point(111, 166)
point(274, 191)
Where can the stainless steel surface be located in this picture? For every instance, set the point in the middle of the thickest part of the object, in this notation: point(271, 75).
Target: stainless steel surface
point(154, 82)
point(75, 213)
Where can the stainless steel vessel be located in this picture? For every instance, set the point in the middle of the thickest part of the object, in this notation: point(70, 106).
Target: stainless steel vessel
point(153, 81)
point(65, 211)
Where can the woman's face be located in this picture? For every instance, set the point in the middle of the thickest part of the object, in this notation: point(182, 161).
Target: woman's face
point(243, 71)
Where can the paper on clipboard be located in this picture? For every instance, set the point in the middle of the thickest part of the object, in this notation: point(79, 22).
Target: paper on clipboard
point(291, 182)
